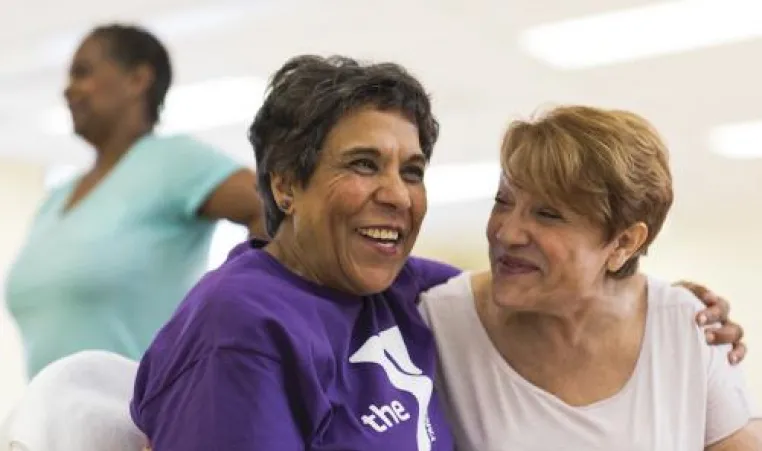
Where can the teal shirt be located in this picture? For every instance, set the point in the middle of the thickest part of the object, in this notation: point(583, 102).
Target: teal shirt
point(109, 273)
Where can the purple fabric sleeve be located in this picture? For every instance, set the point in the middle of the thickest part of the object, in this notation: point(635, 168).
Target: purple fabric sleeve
point(232, 401)
point(430, 273)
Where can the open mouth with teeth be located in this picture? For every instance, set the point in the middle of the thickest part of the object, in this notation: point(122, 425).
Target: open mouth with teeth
point(382, 236)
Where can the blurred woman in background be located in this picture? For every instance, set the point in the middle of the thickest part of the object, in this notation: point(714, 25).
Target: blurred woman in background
point(111, 253)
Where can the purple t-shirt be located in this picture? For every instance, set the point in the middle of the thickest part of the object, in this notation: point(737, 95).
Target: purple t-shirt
point(257, 358)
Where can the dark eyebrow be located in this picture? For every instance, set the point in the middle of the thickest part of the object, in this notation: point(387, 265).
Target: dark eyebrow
point(372, 152)
point(418, 158)
point(362, 152)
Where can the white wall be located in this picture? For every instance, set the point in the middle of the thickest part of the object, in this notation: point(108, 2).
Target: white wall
point(21, 189)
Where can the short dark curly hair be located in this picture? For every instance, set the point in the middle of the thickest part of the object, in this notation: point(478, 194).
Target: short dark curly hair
point(308, 96)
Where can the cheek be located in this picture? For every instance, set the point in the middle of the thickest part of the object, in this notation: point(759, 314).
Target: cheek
point(341, 198)
point(577, 265)
point(493, 224)
point(419, 205)
point(106, 92)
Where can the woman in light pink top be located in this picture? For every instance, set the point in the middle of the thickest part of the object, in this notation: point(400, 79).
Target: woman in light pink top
point(570, 346)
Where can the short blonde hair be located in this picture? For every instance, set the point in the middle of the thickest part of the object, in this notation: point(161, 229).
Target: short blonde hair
point(609, 166)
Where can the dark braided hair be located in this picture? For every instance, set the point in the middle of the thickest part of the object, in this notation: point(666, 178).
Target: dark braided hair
point(131, 46)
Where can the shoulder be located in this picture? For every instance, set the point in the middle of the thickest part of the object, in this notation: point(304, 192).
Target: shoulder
point(178, 151)
point(174, 143)
point(242, 307)
point(666, 299)
point(446, 302)
point(185, 169)
point(244, 297)
point(456, 289)
point(672, 323)
point(421, 274)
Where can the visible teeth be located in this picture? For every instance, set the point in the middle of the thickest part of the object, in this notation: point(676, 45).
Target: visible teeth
point(381, 234)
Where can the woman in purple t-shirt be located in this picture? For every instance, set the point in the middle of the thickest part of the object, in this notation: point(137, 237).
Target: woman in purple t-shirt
point(313, 340)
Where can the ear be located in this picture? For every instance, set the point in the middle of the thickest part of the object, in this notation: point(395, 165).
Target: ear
point(282, 187)
point(140, 79)
point(626, 245)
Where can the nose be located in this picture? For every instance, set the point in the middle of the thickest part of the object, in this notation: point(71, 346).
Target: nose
point(67, 92)
point(511, 230)
point(394, 192)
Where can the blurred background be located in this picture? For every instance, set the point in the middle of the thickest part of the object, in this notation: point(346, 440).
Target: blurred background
point(688, 66)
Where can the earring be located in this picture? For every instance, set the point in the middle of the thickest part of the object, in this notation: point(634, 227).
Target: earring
point(285, 205)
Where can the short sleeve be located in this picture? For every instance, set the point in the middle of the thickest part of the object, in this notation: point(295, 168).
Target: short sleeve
point(729, 403)
point(430, 273)
point(194, 171)
point(231, 400)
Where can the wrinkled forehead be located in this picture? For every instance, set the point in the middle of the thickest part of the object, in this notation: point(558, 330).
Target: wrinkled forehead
point(386, 133)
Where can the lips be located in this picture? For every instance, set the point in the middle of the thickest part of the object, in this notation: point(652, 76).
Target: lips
point(515, 265)
point(385, 239)
point(381, 233)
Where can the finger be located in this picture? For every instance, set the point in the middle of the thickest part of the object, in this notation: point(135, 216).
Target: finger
point(720, 307)
point(711, 315)
point(728, 333)
point(694, 288)
point(708, 297)
point(737, 354)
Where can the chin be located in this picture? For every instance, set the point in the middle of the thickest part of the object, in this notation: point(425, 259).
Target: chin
point(80, 130)
point(372, 281)
point(512, 296)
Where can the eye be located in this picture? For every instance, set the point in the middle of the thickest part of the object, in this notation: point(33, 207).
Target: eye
point(364, 166)
point(502, 199)
point(549, 213)
point(79, 70)
point(413, 174)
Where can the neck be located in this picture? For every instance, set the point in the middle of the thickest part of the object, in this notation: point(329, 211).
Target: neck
point(116, 142)
point(291, 255)
point(596, 316)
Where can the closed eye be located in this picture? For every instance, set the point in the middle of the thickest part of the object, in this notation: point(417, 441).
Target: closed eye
point(549, 214)
point(413, 174)
point(364, 166)
point(501, 199)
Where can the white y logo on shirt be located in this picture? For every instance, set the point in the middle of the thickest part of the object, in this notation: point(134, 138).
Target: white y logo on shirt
point(388, 350)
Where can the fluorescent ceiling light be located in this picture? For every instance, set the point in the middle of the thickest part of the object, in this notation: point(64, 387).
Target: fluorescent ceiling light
point(178, 24)
point(663, 28)
point(738, 141)
point(454, 183)
point(192, 108)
